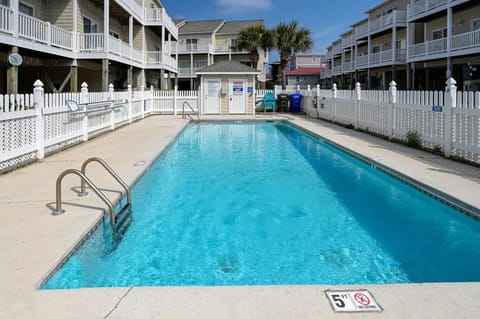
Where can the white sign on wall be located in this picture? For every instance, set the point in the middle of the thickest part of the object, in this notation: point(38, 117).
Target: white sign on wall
point(352, 301)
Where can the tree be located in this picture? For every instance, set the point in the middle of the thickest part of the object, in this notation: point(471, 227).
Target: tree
point(289, 38)
point(251, 39)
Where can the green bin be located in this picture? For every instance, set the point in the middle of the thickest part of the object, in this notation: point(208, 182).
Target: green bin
point(282, 102)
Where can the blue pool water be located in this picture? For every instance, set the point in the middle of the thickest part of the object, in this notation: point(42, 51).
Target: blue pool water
point(264, 203)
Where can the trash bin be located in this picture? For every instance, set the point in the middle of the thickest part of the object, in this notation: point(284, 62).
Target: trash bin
point(282, 103)
point(295, 103)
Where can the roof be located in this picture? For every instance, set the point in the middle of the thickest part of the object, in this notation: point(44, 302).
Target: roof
point(306, 71)
point(233, 27)
point(205, 26)
point(228, 67)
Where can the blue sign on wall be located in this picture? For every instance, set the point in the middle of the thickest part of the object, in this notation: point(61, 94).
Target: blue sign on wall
point(250, 89)
point(437, 108)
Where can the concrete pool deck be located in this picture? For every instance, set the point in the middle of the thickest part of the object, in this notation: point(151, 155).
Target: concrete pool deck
point(32, 241)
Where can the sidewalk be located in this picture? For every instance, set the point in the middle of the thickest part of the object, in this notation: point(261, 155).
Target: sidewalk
point(32, 241)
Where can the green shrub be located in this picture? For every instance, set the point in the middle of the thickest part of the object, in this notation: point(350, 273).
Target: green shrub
point(413, 139)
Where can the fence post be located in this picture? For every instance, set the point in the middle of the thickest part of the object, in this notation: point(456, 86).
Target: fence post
point(334, 96)
point(450, 103)
point(175, 91)
point(112, 111)
point(39, 103)
point(358, 95)
point(298, 88)
point(151, 100)
point(130, 96)
point(391, 109)
point(84, 100)
point(142, 97)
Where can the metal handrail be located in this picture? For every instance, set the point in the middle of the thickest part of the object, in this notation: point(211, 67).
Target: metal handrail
point(84, 179)
point(191, 108)
point(110, 170)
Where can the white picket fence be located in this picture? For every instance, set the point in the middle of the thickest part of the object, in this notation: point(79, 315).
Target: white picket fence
point(38, 124)
point(447, 122)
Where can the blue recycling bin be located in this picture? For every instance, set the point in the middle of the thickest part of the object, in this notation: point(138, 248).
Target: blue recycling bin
point(295, 103)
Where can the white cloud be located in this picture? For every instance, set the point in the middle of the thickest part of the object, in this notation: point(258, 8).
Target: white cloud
point(240, 6)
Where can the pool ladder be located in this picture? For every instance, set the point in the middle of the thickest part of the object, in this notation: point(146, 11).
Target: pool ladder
point(119, 222)
point(190, 117)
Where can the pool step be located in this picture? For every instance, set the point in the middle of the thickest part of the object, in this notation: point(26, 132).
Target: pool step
point(123, 220)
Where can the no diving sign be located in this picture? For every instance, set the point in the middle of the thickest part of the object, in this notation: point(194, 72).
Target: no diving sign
point(352, 301)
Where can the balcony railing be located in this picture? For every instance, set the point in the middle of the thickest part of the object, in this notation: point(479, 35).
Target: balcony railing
point(183, 48)
point(459, 42)
point(348, 40)
point(91, 42)
point(337, 49)
point(48, 35)
point(424, 6)
point(348, 66)
point(326, 74)
point(6, 19)
point(159, 15)
point(337, 69)
point(361, 61)
point(361, 30)
point(465, 41)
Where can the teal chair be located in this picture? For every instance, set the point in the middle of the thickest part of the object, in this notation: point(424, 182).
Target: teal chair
point(269, 102)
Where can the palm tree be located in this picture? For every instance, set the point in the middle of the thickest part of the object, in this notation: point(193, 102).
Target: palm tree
point(290, 39)
point(252, 38)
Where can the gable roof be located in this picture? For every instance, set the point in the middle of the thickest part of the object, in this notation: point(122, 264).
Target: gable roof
point(228, 67)
point(306, 71)
point(233, 27)
point(205, 26)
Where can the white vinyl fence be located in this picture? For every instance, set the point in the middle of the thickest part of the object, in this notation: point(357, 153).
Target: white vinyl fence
point(38, 124)
point(447, 122)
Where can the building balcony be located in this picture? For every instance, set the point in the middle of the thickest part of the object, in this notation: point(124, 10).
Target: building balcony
point(183, 48)
point(337, 49)
point(348, 41)
point(348, 66)
point(188, 72)
point(397, 18)
point(460, 44)
point(425, 7)
point(156, 16)
point(337, 70)
point(326, 74)
point(35, 34)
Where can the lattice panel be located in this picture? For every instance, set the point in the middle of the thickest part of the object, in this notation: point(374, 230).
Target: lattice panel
point(373, 117)
point(62, 124)
point(17, 133)
point(17, 161)
point(63, 145)
point(121, 115)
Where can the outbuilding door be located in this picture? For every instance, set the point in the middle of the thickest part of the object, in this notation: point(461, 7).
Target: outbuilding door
point(237, 96)
point(212, 96)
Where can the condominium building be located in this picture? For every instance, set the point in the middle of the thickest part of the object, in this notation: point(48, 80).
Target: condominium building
point(305, 60)
point(202, 43)
point(100, 42)
point(417, 43)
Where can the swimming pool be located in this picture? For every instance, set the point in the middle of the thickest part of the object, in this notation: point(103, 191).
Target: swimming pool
point(265, 203)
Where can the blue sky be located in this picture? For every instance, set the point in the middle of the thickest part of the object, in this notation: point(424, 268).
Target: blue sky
point(325, 19)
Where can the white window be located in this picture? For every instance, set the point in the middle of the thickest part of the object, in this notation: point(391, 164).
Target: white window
point(439, 34)
point(476, 24)
point(200, 64)
point(25, 8)
point(191, 44)
point(376, 49)
point(89, 26)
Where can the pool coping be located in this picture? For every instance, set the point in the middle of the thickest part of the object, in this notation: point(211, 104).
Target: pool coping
point(219, 302)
